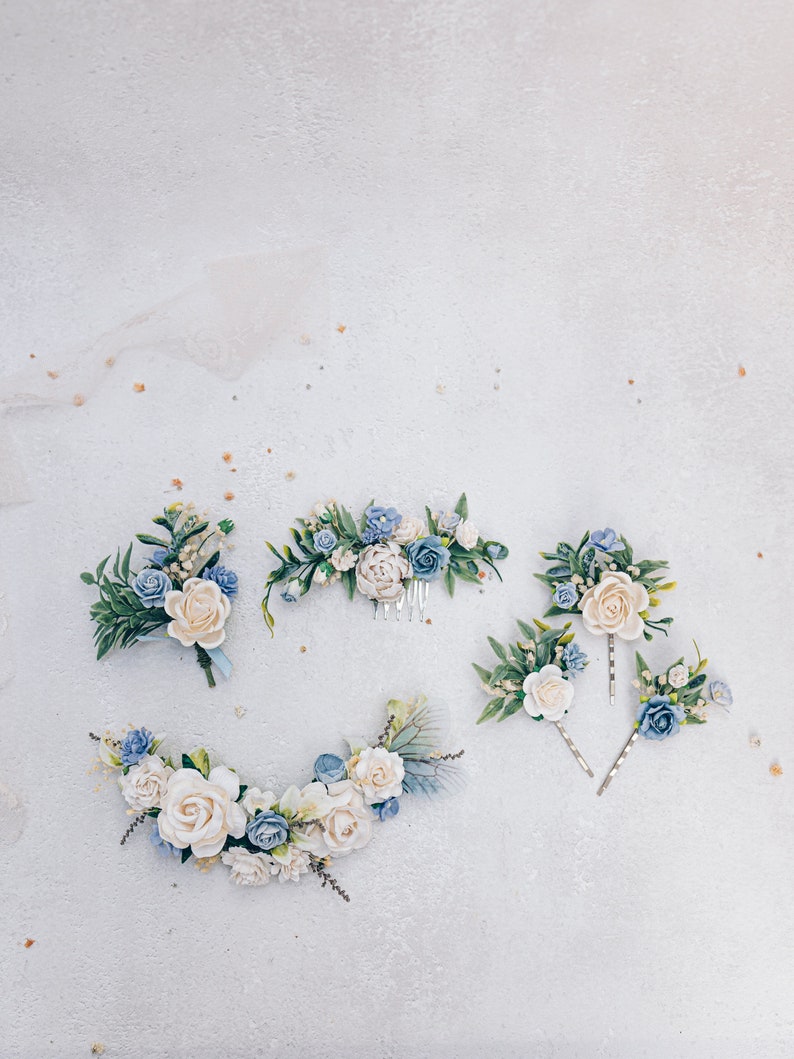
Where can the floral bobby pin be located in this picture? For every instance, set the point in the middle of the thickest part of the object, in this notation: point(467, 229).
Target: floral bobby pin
point(613, 591)
point(384, 556)
point(200, 809)
point(536, 675)
point(182, 592)
point(679, 696)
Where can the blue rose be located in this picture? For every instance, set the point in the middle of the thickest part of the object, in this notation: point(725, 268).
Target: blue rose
point(720, 694)
point(225, 579)
point(328, 768)
point(158, 555)
point(447, 522)
point(291, 591)
point(150, 586)
point(659, 717)
point(135, 745)
point(565, 596)
point(267, 830)
point(383, 519)
point(606, 541)
point(325, 540)
point(427, 556)
point(574, 658)
point(164, 848)
point(383, 810)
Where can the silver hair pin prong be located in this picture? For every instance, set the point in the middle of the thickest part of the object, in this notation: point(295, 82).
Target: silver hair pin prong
point(611, 669)
point(621, 758)
point(573, 748)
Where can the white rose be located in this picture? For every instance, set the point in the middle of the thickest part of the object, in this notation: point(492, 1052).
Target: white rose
point(255, 800)
point(548, 693)
point(306, 803)
point(348, 823)
point(199, 612)
point(467, 535)
point(378, 774)
point(614, 605)
point(200, 812)
point(145, 784)
point(381, 570)
point(248, 869)
point(343, 562)
point(409, 529)
point(289, 864)
point(678, 676)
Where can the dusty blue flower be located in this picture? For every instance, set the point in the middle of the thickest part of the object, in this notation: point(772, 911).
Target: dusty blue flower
point(370, 536)
point(291, 591)
point(383, 519)
point(574, 658)
point(383, 810)
point(225, 579)
point(720, 694)
point(427, 556)
point(150, 586)
point(328, 768)
point(267, 830)
point(659, 717)
point(158, 555)
point(163, 848)
point(135, 745)
point(496, 551)
point(565, 595)
point(606, 540)
point(325, 540)
point(447, 521)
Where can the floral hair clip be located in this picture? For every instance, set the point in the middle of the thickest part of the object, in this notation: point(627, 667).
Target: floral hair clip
point(535, 674)
point(387, 557)
point(182, 592)
point(614, 593)
point(677, 697)
point(200, 809)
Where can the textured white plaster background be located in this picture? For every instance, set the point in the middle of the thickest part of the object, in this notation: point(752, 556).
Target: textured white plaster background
point(528, 204)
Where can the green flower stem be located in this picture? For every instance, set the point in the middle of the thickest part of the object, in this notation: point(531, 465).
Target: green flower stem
point(205, 662)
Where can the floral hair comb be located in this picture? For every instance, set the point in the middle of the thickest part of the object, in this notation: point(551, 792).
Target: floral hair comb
point(387, 557)
point(200, 809)
point(613, 592)
point(536, 675)
point(679, 696)
point(181, 592)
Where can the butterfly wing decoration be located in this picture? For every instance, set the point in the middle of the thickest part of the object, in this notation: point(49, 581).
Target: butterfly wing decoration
point(417, 742)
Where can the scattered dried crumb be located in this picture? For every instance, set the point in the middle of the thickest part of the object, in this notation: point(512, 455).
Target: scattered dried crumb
point(32, 356)
point(97, 1048)
point(481, 575)
point(308, 386)
point(290, 475)
point(776, 770)
point(760, 555)
point(240, 711)
point(341, 328)
point(305, 340)
point(53, 374)
point(428, 621)
point(496, 386)
point(138, 387)
point(441, 388)
point(497, 370)
point(269, 451)
point(234, 470)
point(631, 382)
point(78, 399)
point(755, 741)
point(742, 371)
point(227, 457)
point(177, 482)
point(110, 361)
point(228, 495)
point(29, 942)
point(303, 648)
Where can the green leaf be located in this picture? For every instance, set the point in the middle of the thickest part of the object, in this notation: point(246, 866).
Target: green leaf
point(156, 542)
point(226, 525)
point(692, 719)
point(449, 579)
point(511, 706)
point(125, 564)
point(189, 763)
point(346, 522)
point(482, 673)
point(462, 507)
point(498, 650)
point(88, 578)
point(186, 854)
point(349, 581)
point(101, 568)
point(201, 760)
point(491, 710)
point(642, 666)
point(526, 631)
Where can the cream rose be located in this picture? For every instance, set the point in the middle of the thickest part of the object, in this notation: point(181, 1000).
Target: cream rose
point(548, 693)
point(289, 864)
point(343, 562)
point(467, 535)
point(678, 676)
point(248, 869)
point(255, 801)
point(199, 612)
point(614, 605)
point(378, 774)
point(145, 784)
point(381, 570)
point(200, 812)
point(348, 823)
point(409, 529)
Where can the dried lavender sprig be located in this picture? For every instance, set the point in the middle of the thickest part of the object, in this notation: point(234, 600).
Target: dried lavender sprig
point(384, 735)
point(131, 828)
point(329, 880)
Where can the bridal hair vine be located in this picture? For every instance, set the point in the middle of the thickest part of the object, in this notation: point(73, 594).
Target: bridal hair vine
point(679, 696)
point(181, 592)
point(198, 808)
point(614, 593)
point(536, 675)
point(387, 557)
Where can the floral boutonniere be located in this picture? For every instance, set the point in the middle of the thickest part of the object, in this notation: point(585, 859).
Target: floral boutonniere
point(535, 674)
point(614, 592)
point(199, 808)
point(387, 557)
point(181, 591)
point(679, 696)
